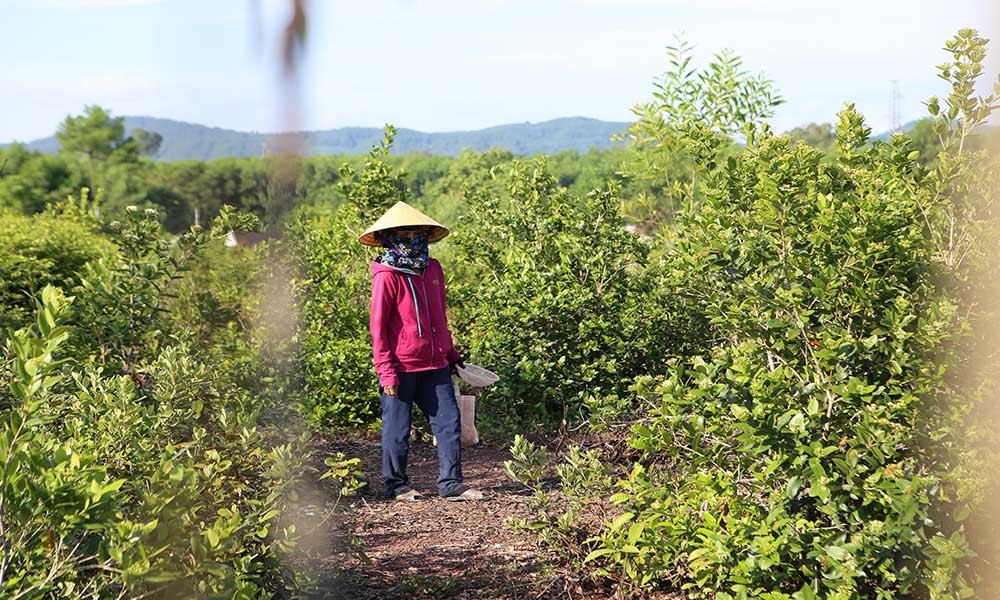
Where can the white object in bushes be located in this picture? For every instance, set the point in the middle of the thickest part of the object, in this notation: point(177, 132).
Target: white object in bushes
point(467, 410)
point(477, 376)
point(467, 407)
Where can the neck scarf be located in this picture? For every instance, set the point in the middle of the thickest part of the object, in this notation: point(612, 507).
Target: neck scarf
point(407, 253)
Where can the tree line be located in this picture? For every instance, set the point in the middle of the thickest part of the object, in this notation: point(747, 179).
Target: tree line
point(97, 153)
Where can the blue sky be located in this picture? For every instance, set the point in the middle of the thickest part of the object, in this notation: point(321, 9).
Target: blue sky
point(440, 65)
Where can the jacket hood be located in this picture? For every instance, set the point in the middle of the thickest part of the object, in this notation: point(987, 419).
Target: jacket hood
point(378, 267)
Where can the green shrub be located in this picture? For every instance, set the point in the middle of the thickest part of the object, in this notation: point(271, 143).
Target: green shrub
point(334, 292)
point(218, 311)
point(161, 482)
point(722, 95)
point(810, 455)
point(529, 462)
point(338, 377)
point(556, 296)
point(54, 499)
point(122, 297)
point(40, 250)
point(168, 492)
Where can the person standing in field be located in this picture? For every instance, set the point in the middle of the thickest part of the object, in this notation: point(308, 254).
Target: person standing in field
point(412, 349)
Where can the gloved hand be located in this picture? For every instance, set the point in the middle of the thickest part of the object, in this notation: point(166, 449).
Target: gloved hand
point(458, 363)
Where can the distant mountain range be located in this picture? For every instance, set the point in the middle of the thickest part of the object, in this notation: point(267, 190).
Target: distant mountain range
point(183, 141)
point(190, 141)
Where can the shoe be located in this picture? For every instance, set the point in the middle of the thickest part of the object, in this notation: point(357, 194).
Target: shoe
point(467, 494)
point(410, 495)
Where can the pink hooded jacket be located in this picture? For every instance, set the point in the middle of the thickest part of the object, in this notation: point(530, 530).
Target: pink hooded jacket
point(408, 324)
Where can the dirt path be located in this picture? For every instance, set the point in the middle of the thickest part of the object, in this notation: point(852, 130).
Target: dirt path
point(435, 548)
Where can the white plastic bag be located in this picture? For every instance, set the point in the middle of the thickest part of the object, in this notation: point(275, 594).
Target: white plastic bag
point(467, 406)
point(467, 409)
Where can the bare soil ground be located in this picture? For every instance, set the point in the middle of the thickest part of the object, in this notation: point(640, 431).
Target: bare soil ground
point(435, 548)
point(379, 549)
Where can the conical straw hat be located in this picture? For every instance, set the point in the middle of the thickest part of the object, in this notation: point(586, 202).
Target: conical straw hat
point(403, 215)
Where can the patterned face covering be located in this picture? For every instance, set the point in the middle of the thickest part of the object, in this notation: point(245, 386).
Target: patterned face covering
point(404, 252)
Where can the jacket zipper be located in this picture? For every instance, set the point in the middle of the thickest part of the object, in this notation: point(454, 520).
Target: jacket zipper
point(416, 306)
point(423, 284)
